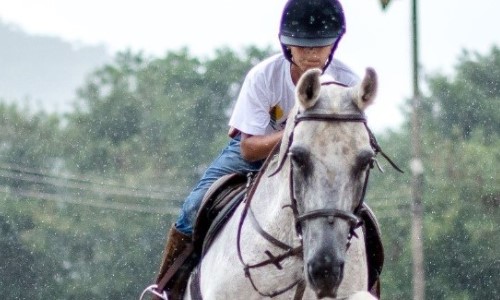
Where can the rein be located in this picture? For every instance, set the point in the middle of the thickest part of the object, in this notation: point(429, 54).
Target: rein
point(274, 260)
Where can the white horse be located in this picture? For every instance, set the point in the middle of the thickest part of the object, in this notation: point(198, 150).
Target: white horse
point(296, 235)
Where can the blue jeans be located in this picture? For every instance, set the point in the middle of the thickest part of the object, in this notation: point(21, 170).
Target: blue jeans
point(229, 161)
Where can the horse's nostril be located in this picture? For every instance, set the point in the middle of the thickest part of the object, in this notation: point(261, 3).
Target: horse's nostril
point(325, 274)
point(325, 267)
point(340, 268)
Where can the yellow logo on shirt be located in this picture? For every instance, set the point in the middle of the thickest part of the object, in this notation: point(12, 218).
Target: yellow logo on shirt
point(276, 113)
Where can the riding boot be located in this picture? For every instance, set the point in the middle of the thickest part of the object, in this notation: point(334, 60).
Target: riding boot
point(177, 243)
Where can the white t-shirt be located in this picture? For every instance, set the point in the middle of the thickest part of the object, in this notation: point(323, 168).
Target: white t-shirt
point(268, 94)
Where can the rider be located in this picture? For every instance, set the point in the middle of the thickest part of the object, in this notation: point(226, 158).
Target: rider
point(310, 31)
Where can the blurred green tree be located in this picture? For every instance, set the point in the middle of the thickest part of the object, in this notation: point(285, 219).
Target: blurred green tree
point(461, 148)
point(469, 99)
point(156, 117)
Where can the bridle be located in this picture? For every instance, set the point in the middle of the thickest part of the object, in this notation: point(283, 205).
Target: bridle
point(352, 218)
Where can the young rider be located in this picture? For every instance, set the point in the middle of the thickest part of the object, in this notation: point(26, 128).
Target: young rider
point(310, 31)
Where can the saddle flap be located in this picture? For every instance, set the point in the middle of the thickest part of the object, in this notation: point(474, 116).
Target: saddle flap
point(374, 246)
point(217, 196)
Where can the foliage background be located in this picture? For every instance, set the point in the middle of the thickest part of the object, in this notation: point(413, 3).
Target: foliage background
point(86, 197)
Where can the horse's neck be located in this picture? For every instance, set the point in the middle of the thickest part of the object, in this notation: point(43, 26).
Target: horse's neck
point(270, 204)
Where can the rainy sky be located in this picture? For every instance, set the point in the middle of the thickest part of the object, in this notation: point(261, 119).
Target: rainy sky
point(374, 38)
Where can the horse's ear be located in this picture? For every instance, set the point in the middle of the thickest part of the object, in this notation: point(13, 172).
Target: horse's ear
point(367, 89)
point(308, 88)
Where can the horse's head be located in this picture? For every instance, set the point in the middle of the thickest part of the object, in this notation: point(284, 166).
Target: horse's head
point(330, 152)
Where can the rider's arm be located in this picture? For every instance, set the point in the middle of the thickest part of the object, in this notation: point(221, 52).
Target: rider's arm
point(258, 147)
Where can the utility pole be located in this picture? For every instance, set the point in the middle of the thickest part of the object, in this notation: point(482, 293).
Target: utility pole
point(417, 169)
point(416, 166)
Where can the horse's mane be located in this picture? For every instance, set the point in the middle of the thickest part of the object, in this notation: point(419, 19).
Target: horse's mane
point(276, 165)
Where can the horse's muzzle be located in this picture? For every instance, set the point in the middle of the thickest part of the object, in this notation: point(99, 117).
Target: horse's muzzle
point(325, 273)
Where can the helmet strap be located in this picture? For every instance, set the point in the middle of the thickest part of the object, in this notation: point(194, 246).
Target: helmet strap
point(287, 53)
point(330, 57)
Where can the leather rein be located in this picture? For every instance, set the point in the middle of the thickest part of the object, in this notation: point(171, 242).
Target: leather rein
point(352, 218)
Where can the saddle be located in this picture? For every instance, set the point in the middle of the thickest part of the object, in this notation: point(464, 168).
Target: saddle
point(374, 248)
point(217, 207)
point(220, 202)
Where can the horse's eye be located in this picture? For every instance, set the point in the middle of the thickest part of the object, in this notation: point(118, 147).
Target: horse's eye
point(301, 158)
point(299, 154)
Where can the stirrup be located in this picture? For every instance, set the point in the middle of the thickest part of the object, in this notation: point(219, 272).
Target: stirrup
point(152, 289)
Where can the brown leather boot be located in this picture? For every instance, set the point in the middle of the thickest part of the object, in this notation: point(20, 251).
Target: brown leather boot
point(176, 244)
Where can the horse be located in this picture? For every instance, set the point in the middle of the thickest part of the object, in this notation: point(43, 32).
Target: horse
point(297, 234)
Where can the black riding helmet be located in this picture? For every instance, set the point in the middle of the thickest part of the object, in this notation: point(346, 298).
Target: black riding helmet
point(311, 23)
